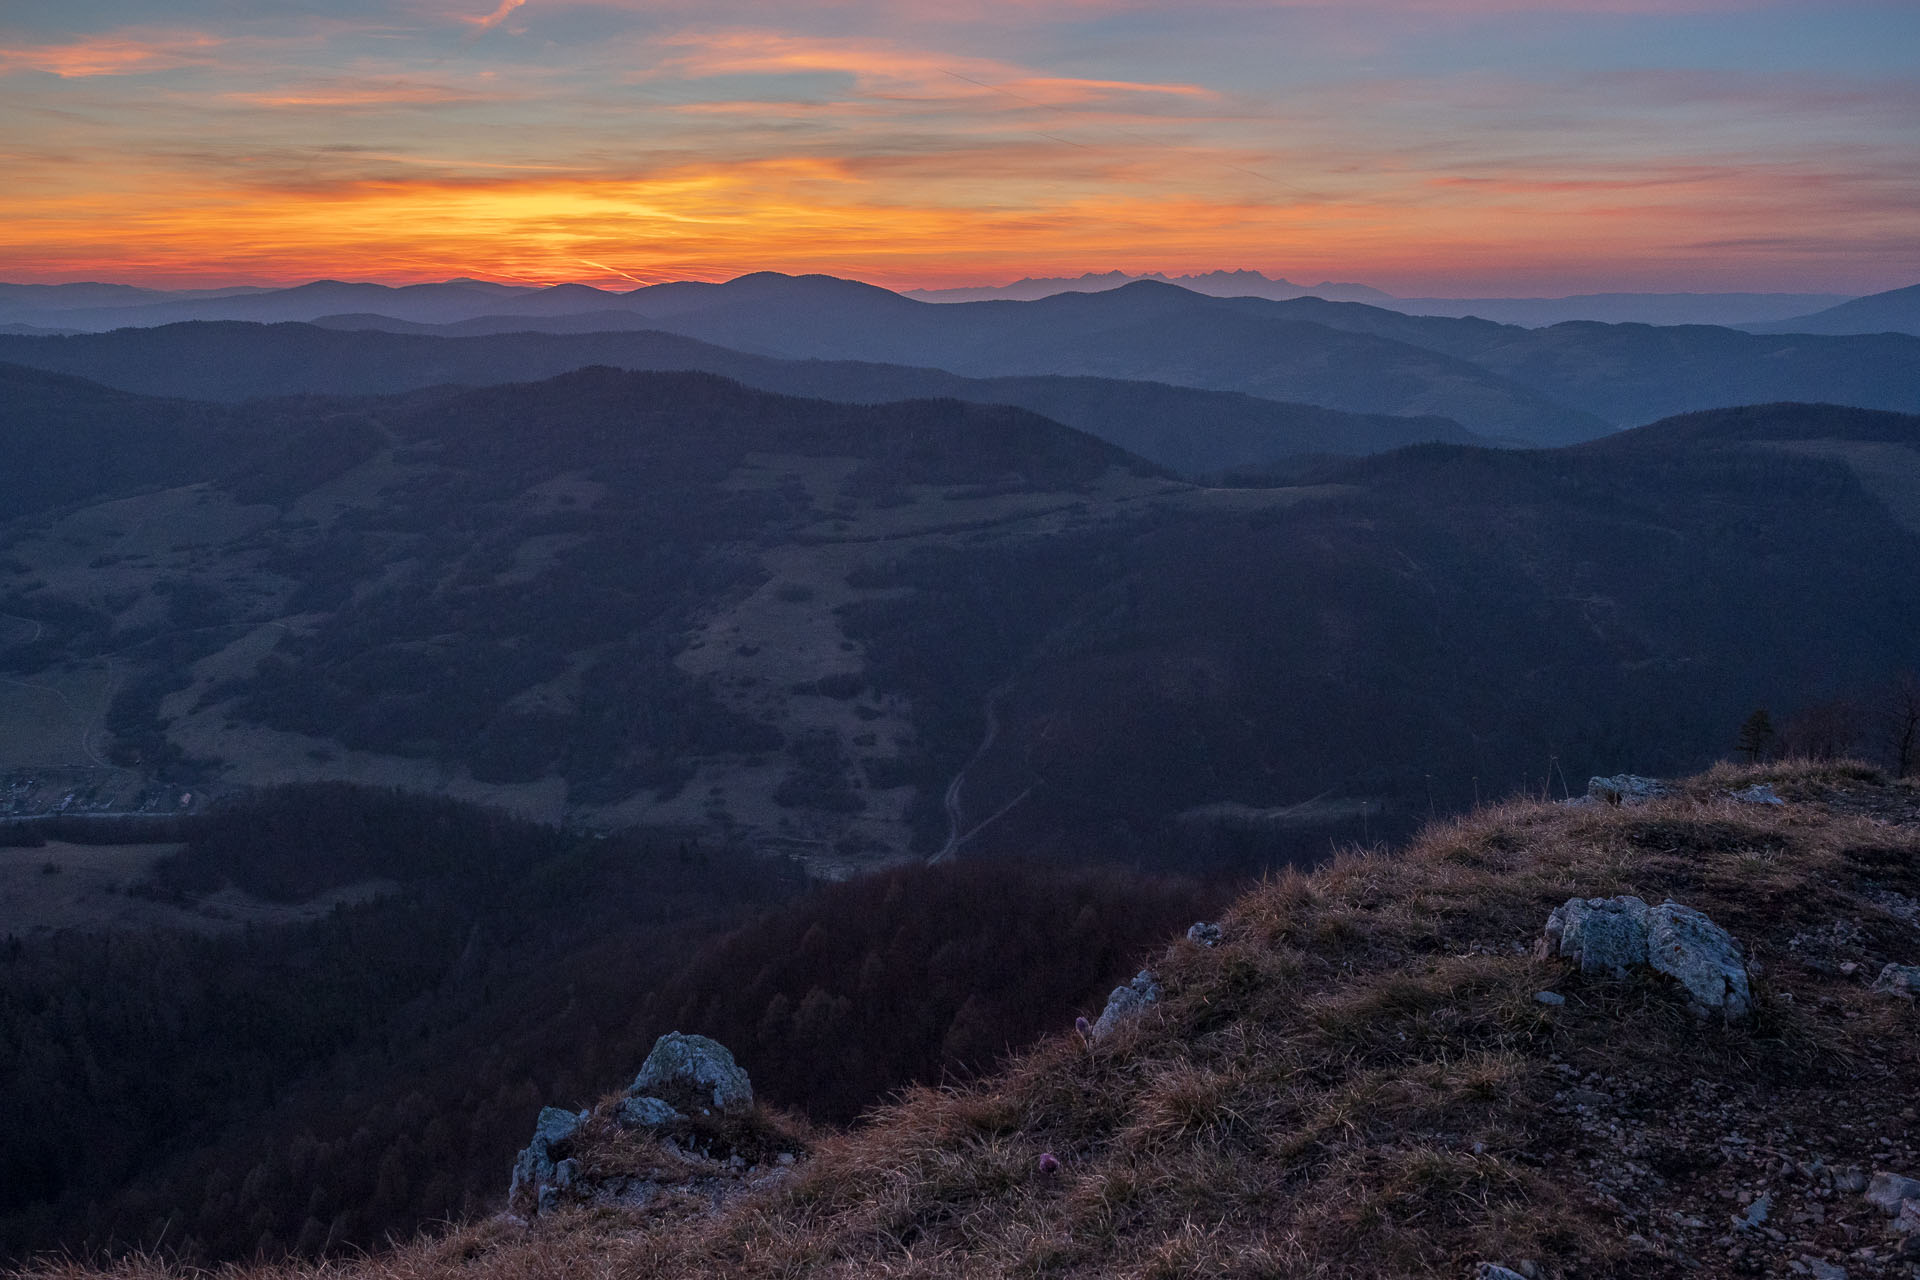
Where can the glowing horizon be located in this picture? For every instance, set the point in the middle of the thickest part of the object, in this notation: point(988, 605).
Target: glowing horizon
point(1425, 147)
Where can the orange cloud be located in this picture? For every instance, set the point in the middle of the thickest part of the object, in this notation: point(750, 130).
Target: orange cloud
point(121, 53)
point(348, 95)
point(822, 213)
point(883, 67)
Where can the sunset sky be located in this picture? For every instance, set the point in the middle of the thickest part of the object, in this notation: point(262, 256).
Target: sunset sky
point(1422, 146)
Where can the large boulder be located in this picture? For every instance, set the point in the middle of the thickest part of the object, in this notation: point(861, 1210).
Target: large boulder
point(1127, 1002)
point(1601, 935)
point(693, 1073)
point(1616, 935)
point(1626, 789)
point(1701, 956)
point(537, 1178)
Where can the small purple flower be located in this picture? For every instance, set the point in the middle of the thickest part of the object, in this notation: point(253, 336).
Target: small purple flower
point(1049, 1163)
point(1085, 1029)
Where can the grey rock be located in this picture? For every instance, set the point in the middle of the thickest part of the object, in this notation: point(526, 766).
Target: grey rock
point(1907, 1223)
point(1626, 789)
point(1897, 905)
point(537, 1180)
point(1758, 793)
point(1902, 980)
point(1820, 1269)
point(1614, 935)
point(683, 1065)
point(555, 1125)
point(645, 1113)
point(1206, 935)
point(1553, 998)
point(1603, 935)
point(1889, 1191)
point(532, 1170)
point(1703, 957)
point(1850, 1179)
point(1755, 1215)
point(1494, 1271)
point(1127, 1002)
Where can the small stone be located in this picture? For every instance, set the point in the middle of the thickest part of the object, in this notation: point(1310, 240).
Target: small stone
point(784, 1159)
point(1849, 967)
point(1850, 1179)
point(1908, 1221)
point(1820, 1269)
point(1901, 980)
point(1755, 1215)
point(1553, 998)
point(1204, 934)
point(1758, 793)
point(1888, 1192)
point(1494, 1271)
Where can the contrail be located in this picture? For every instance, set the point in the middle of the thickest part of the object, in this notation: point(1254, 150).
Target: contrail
point(601, 266)
point(498, 16)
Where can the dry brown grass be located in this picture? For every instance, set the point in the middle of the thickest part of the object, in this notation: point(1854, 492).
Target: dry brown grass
point(1357, 1082)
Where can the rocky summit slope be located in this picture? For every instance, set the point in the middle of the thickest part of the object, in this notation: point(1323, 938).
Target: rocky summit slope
point(1388, 1067)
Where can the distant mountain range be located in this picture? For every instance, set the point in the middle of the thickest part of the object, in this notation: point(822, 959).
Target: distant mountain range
point(1217, 284)
point(96, 307)
point(1895, 311)
point(1611, 308)
point(1549, 386)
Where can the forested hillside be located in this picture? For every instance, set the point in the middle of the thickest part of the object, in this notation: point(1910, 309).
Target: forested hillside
point(324, 1086)
point(857, 632)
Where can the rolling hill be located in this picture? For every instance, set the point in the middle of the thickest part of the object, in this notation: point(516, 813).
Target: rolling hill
point(1895, 311)
point(855, 632)
point(1193, 431)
